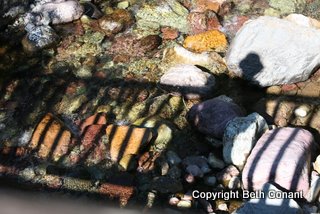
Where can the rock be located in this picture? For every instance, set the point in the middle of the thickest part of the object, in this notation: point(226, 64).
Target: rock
point(173, 158)
point(211, 117)
point(133, 138)
point(189, 81)
point(282, 156)
point(165, 13)
point(234, 183)
point(39, 37)
point(131, 46)
point(302, 111)
point(215, 162)
point(202, 22)
point(84, 72)
point(270, 205)
point(169, 33)
point(54, 12)
point(227, 174)
point(222, 207)
point(234, 24)
point(50, 139)
point(210, 180)
point(313, 193)
point(212, 40)
point(266, 64)
point(91, 10)
point(316, 164)
point(116, 22)
point(302, 20)
point(198, 161)
point(203, 5)
point(179, 55)
point(240, 136)
point(162, 128)
point(165, 184)
point(184, 204)
point(123, 4)
point(174, 172)
point(96, 119)
point(194, 170)
point(174, 201)
point(286, 6)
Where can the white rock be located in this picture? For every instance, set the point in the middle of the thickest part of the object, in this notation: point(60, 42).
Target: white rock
point(240, 136)
point(314, 190)
point(272, 51)
point(223, 207)
point(184, 204)
point(302, 111)
point(302, 20)
point(190, 80)
point(316, 164)
point(269, 205)
point(179, 55)
point(234, 183)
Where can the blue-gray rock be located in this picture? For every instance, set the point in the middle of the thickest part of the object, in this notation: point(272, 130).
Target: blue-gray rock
point(272, 51)
point(211, 117)
point(269, 205)
point(240, 136)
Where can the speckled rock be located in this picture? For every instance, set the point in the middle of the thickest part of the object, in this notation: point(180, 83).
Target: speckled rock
point(54, 12)
point(131, 46)
point(39, 37)
point(203, 5)
point(240, 136)
point(287, 6)
point(302, 20)
point(212, 40)
point(118, 21)
point(252, 59)
point(202, 22)
point(211, 117)
point(291, 171)
point(179, 55)
point(189, 81)
point(164, 13)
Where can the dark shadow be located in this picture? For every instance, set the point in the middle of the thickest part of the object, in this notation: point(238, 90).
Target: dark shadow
point(251, 66)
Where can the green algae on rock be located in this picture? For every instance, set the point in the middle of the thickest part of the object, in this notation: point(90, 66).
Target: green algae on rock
point(166, 13)
point(287, 6)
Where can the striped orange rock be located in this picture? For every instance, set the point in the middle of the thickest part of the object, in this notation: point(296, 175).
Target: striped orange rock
point(212, 40)
point(50, 139)
point(126, 141)
point(96, 119)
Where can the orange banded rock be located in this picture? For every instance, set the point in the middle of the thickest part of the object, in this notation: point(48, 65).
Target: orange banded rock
point(51, 138)
point(126, 141)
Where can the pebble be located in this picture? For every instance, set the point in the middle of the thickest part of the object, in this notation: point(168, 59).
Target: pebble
point(123, 5)
point(210, 180)
point(184, 204)
point(234, 183)
point(316, 164)
point(174, 201)
point(215, 162)
point(173, 158)
point(302, 111)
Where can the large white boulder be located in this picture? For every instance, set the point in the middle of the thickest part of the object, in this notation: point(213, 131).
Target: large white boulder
point(272, 51)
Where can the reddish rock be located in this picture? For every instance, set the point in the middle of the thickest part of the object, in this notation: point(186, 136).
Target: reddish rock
point(131, 46)
point(203, 5)
point(147, 161)
point(73, 87)
point(169, 33)
point(233, 25)
point(100, 74)
point(282, 156)
point(202, 22)
point(96, 119)
point(289, 87)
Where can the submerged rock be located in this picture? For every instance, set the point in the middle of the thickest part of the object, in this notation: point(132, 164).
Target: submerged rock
point(179, 55)
point(212, 40)
point(211, 117)
point(240, 137)
point(282, 156)
point(189, 81)
point(274, 63)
